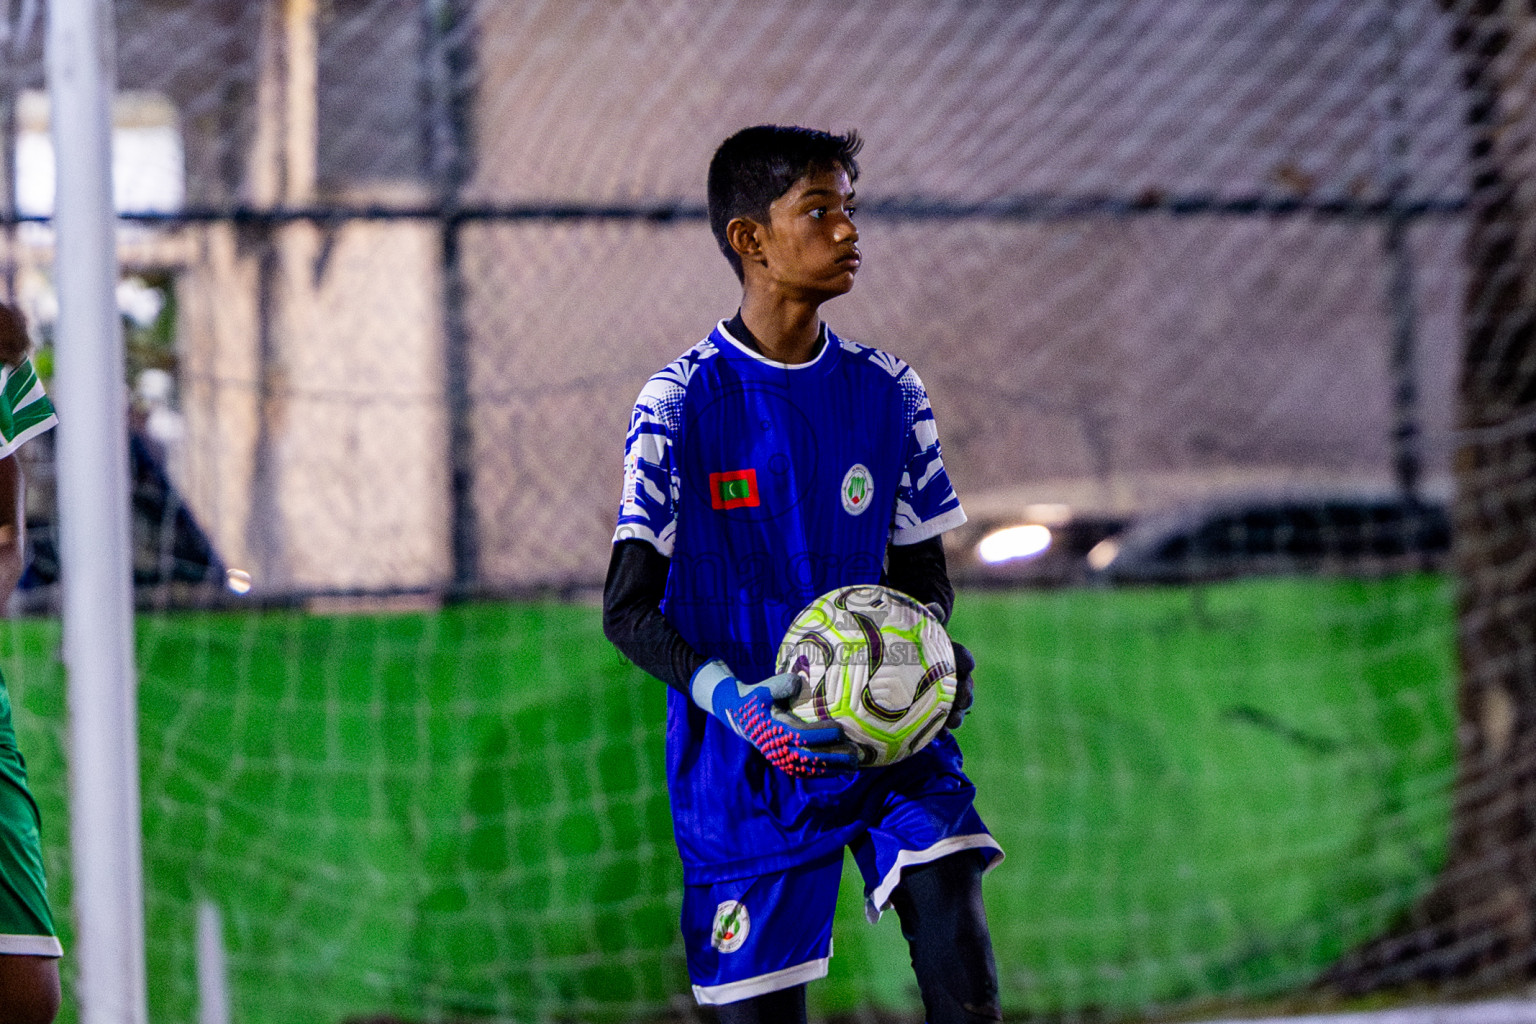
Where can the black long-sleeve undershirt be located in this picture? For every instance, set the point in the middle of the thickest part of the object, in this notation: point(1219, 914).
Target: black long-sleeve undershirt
point(919, 570)
point(637, 580)
point(632, 618)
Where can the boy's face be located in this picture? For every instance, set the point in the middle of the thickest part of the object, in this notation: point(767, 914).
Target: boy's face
point(810, 245)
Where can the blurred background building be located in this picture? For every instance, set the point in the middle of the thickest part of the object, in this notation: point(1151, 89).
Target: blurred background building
point(419, 257)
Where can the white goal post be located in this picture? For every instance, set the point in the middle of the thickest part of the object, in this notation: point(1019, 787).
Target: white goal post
point(93, 496)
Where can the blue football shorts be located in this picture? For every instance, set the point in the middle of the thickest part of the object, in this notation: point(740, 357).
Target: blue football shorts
point(749, 936)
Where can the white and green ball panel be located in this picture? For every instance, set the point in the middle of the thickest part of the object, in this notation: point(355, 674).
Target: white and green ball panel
point(879, 664)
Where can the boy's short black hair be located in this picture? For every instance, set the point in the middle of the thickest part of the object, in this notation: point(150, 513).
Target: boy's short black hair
point(757, 165)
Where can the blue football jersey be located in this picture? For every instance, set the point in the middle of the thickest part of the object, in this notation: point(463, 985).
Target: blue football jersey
point(767, 485)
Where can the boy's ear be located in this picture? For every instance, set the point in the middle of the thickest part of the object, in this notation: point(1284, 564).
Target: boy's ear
point(744, 234)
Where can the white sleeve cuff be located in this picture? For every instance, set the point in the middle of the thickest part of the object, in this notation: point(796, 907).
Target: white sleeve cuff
point(931, 528)
point(662, 541)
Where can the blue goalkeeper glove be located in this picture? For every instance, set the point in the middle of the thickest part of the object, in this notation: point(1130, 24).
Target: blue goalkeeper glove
point(758, 713)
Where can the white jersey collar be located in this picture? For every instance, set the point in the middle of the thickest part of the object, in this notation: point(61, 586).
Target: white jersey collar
point(745, 349)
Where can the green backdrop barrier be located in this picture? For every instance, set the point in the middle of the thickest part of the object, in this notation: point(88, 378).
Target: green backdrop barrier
point(1205, 793)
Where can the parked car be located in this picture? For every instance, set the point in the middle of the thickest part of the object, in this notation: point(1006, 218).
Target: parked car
point(1038, 545)
point(1221, 538)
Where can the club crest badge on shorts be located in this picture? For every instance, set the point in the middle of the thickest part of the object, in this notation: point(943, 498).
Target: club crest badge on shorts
point(732, 924)
point(858, 488)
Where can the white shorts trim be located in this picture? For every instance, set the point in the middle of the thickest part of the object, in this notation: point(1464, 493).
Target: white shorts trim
point(879, 901)
point(731, 992)
point(30, 945)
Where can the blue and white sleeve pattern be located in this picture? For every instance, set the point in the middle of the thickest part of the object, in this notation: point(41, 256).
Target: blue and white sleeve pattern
point(926, 503)
point(648, 508)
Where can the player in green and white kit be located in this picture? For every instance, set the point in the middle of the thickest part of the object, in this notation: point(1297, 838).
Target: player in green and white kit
point(29, 949)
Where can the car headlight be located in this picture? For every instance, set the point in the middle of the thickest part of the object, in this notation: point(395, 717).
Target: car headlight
point(1013, 542)
point(1103, 553)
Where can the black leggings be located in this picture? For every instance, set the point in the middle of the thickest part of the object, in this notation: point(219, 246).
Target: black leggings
point(945, 926)
point(786, 1006)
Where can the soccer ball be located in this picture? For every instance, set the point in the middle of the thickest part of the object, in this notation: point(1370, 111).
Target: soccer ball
point(879, 664)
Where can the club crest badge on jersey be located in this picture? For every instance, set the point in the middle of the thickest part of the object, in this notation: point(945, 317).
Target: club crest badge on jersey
point(732, 924)
point(858, 489)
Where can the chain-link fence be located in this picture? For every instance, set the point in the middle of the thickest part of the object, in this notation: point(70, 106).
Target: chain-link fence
point(395, 271)
point(423, 254)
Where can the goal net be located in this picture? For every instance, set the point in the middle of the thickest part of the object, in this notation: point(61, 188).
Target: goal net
point(1192, 286)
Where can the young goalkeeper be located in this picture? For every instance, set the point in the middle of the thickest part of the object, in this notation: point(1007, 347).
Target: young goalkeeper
point(29, 951)
point(744, 471)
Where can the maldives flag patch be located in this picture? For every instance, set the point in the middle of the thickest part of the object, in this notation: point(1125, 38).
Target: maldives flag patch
point(736, 489)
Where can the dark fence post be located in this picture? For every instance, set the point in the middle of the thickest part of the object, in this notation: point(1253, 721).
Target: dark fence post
point(448, 74)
